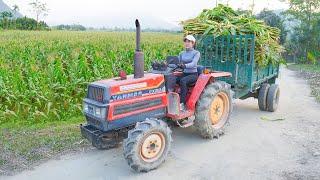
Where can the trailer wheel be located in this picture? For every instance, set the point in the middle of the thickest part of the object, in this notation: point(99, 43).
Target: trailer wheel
point(147, 145)
point(213, 110)
point(262, 97)
point(273, 98)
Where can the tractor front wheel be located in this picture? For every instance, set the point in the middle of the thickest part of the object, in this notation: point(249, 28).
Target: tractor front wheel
point(147, 145)
point(213, 109)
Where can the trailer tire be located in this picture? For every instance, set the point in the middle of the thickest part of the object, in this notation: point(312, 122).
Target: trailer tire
point(147, 145)
point(210, 120)
point(273, 98)
point(262, 97)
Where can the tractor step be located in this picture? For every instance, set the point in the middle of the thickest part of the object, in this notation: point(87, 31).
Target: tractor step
point(186, 123)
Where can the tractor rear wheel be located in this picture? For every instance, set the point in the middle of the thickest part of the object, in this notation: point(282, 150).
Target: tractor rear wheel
point(147, 145)
point(213, 110)
point(273, 98)
point(262, 97)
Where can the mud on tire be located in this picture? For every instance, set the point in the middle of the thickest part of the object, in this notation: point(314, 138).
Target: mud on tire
point(206, 104)
point(135, 150)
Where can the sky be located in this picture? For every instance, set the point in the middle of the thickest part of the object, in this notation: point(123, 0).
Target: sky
point(111, 13)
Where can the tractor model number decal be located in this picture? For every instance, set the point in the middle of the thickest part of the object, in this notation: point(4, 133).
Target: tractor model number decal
point(133, 86)
point(137, 93)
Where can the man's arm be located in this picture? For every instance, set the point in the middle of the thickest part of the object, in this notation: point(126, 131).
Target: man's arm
point(194, 61)
point(179, 61)
point(172, 65)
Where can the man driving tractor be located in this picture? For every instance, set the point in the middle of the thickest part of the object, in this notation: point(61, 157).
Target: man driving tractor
point(188, 61)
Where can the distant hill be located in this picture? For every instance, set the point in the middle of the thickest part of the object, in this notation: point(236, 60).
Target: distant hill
point(5, 7)
point(119, 21)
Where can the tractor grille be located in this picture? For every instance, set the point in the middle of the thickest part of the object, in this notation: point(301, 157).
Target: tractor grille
point(137, 106)
point(96, 93)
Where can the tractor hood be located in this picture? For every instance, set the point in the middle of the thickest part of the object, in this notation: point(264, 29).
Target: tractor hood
point(115, 89)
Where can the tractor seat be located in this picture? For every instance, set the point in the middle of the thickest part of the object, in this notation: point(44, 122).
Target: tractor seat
point(200, 70)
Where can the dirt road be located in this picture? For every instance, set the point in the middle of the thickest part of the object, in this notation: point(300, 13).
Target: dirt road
point(252, 148)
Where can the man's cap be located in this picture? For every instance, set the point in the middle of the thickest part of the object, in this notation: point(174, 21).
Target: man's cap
point(190, 38)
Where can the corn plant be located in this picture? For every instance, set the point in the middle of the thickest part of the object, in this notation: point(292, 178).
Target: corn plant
point(223, 20)
point(44, 75)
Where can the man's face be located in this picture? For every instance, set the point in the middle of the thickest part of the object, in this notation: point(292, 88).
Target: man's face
point(188, 44)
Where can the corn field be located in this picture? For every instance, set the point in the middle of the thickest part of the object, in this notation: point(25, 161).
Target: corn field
point(44, 75)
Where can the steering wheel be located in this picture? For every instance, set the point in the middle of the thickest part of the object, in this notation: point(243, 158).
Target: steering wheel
point(176, 69)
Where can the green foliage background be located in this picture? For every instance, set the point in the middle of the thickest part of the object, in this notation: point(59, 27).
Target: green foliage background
point(43, 75)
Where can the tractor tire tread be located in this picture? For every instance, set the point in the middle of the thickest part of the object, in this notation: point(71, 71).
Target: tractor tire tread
point(271, 104)
point(131, 144)
point(202, 122)
point(262, 97)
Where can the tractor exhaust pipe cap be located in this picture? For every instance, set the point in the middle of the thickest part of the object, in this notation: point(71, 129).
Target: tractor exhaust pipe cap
point(138, 32)
point(138, 55)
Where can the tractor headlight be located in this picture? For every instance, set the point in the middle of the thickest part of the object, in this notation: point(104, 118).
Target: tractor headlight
point(100, 112)
point(85, 107)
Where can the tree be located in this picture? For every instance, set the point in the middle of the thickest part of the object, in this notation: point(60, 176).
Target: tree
point(15, 9)
point(39, 8)
point(274, 20)
point(5, 19)
point(306, 32)
point(73, 27)
point(6, 15)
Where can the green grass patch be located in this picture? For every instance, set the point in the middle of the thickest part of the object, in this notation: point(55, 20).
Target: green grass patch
point(2, 162)
point(22, 145)
point(312, 74)
point(306, 67)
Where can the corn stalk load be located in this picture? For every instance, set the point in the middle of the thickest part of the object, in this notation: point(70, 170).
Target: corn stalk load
point(223, 20)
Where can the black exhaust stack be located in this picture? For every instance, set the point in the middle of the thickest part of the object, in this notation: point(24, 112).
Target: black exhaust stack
point(138, 55)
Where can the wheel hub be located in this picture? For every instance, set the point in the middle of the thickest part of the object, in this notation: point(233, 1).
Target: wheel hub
point(152, 147)
point(219, 109)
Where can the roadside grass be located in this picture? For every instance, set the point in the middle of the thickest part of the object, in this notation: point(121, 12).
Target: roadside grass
point(312, 74)
point(306, 67)
point(24, 145)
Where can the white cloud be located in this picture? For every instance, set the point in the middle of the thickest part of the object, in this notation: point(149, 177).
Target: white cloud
point(100, 13)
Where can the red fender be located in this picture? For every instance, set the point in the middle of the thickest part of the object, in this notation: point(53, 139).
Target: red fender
point(201, 83)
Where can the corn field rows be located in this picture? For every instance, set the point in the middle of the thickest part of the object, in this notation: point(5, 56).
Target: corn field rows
point(44, 75)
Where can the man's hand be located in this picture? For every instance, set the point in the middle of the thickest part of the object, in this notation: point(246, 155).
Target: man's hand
point(181, 65)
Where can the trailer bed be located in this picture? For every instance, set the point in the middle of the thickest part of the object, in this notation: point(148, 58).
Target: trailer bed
point(235, 54)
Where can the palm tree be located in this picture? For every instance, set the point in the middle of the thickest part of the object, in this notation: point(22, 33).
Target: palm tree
point(39, 8)
point(15, 9)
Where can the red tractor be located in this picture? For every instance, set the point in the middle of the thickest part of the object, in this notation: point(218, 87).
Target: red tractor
point(139, 107)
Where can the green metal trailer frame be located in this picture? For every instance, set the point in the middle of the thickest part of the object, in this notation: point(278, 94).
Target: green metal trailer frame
point(235, 54)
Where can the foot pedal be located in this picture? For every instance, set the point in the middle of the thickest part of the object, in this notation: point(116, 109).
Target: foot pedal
point(186, 123)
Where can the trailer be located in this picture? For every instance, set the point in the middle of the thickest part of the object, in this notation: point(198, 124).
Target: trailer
point(235, 54)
